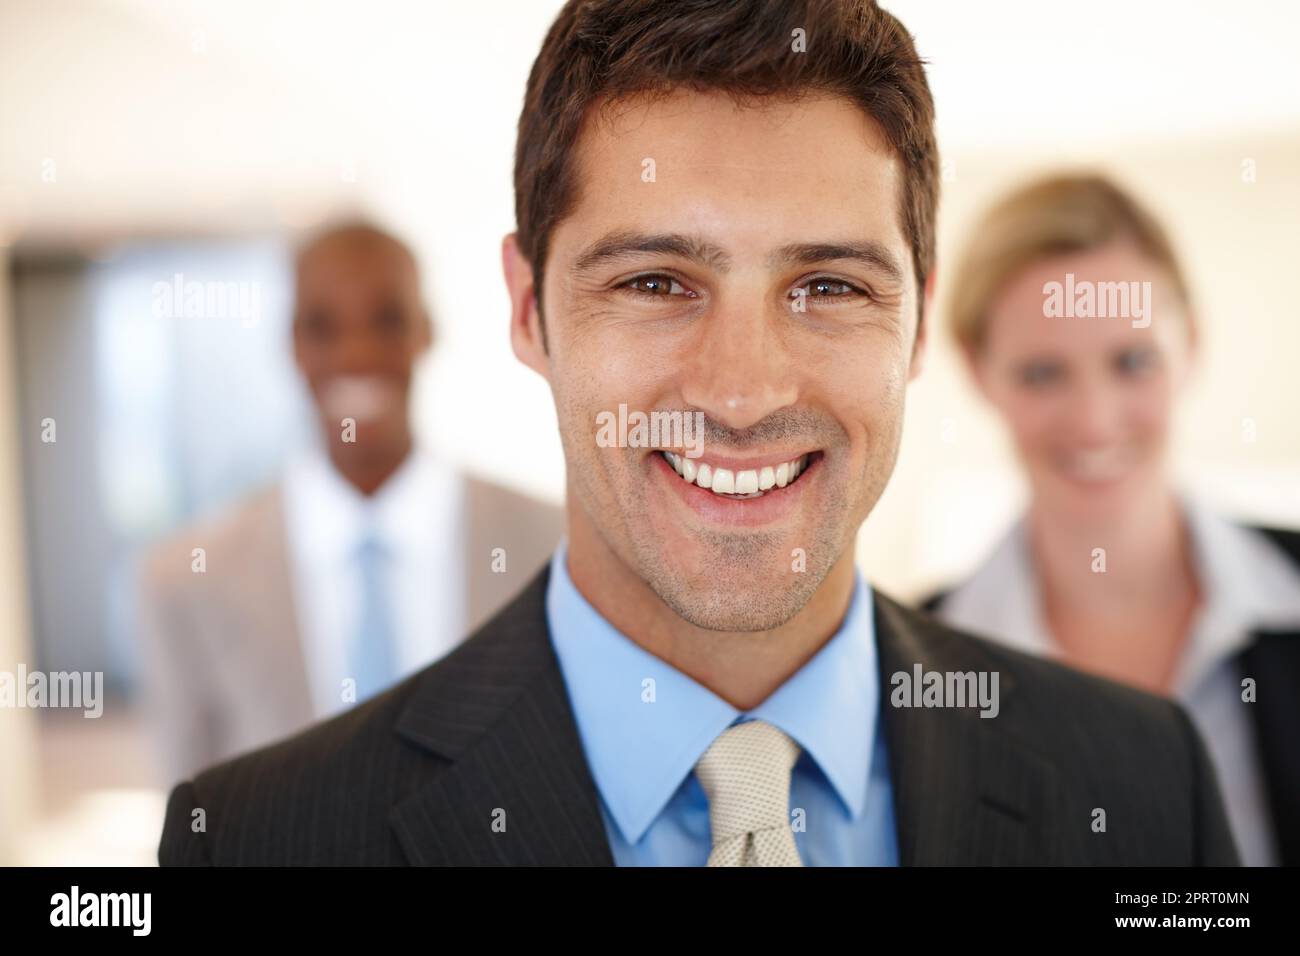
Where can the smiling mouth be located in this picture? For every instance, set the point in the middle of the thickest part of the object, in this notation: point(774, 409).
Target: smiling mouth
point(361, 397)
point(743, 484)
point(1095, 467)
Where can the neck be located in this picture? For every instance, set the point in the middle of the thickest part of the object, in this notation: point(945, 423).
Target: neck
point(367, 473)
point(744, 668)
point(1147, 552)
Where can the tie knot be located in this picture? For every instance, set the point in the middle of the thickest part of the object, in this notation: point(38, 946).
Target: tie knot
point(746, 775)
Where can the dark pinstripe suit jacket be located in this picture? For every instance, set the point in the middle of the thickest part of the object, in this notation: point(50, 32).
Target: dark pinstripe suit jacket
point(478, 760)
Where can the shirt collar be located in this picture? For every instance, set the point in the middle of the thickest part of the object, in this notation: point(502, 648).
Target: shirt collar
point(644, 724)
point(331, 518)
point(1246, 585)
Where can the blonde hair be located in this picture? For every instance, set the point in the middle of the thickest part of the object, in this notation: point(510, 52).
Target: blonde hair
point(1061, 214)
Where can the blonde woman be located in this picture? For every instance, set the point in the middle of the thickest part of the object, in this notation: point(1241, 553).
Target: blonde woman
point(1072, 312)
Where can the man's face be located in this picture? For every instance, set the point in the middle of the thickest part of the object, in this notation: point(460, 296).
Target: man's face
point(359, 328)
point(748, 264)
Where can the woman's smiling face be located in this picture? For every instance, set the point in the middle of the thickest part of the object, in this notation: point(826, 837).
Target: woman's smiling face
point(1089, 400)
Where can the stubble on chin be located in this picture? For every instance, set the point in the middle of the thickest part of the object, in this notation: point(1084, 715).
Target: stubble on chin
point(751, 581)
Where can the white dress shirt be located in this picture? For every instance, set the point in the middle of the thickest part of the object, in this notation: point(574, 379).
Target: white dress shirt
point(1246, 583)
point(417, 516)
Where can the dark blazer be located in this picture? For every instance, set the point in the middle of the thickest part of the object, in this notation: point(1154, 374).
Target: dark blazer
point(1273, 659)
point(426, 772)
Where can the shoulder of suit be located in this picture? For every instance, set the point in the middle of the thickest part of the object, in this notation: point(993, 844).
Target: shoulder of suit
point(334, 752)
point(228, 531)
point(1097, 736)
point(501, 499)
point(251, 799)
point(315, 750)
point(1044, 690)
point(500, 512)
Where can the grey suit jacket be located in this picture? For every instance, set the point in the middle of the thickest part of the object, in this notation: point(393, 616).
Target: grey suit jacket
point(223, 660)
point(477, 760)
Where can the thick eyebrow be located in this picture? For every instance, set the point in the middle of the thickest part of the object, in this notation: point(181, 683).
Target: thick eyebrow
point(623, 245)
point(868, 252)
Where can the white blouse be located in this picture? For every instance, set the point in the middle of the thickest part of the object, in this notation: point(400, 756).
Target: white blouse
point(1247, 584)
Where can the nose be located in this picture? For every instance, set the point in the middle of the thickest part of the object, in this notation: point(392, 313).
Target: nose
point(739, 371)
point(359, 350)
point(1095, 414)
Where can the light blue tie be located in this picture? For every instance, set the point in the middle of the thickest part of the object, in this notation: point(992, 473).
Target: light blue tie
point(373, 659)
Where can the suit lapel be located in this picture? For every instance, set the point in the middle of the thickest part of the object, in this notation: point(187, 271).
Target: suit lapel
point(518, 790)
point(966, 792)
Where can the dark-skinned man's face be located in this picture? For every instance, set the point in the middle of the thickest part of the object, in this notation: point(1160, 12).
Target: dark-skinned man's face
point(359, 328)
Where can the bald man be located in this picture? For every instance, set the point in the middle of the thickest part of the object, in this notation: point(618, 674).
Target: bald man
point(368, 560)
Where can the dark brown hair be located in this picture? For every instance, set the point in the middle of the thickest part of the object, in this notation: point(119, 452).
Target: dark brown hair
point(598, 51)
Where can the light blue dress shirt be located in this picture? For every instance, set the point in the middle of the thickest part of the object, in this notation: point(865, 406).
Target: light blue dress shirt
point(644, 725)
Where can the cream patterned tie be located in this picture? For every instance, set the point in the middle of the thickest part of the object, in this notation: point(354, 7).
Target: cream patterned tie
point(746, 775)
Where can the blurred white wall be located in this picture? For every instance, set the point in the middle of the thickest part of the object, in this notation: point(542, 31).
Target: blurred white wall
point(156, 117)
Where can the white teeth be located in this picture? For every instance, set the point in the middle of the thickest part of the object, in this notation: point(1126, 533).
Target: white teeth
point(1101, 465)
point(751, 482)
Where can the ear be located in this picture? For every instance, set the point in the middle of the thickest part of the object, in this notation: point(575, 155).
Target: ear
point(525, 320)
point(428, 333)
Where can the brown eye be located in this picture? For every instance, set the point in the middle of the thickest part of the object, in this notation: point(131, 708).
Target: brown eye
point(389, 319)
point(655, 285)
point(318, 324)
point(824, 287)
